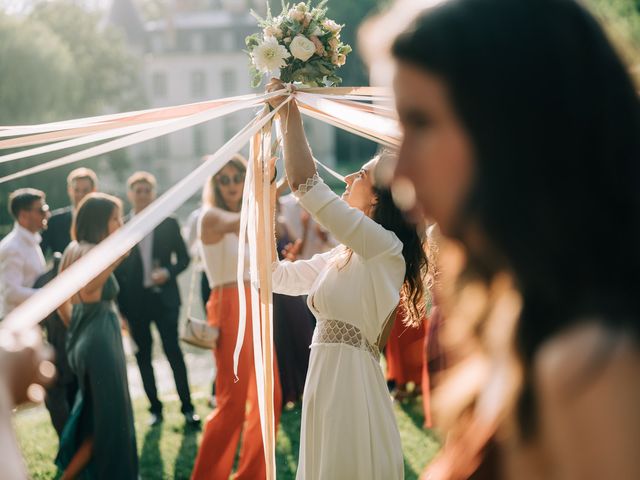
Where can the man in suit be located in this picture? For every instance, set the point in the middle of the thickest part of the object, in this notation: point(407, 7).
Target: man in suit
point(149, 293)
point(80, 182)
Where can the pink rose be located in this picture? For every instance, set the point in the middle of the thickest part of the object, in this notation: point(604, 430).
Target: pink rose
point(331, 26)
point(307, 20)
point(319, 47)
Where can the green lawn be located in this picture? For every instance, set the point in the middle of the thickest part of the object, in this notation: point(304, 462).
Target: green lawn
point(168, 452)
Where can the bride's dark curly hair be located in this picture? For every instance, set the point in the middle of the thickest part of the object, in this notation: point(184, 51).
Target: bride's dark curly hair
point(392, 218)
point(389, 216)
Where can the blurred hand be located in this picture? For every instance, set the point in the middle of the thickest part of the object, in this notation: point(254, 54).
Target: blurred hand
point(160, 276)
point(305, 218)
point(26, 365)
point(322, 234)
point(292, 250)
point(216, 336)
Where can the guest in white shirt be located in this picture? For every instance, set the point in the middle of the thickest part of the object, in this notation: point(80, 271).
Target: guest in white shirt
point(21, 259)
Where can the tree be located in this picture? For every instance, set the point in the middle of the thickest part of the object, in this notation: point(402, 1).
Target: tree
point(36, 72)
point(57, 61)
point(106, 70)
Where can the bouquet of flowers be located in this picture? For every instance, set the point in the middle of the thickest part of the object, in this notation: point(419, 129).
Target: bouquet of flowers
point(301, 42)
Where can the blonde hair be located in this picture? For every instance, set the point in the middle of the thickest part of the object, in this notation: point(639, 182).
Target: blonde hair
point(211, 195)
point(142, 177)
point(83, 173)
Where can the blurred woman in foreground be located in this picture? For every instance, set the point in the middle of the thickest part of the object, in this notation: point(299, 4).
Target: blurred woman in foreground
point(522, 139)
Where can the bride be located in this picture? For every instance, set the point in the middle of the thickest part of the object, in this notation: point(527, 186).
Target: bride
point(348, 425)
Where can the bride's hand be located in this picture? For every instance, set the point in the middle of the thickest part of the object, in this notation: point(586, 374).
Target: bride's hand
point(273, 86)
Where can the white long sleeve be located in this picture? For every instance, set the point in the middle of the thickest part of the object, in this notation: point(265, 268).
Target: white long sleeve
point(350, 226)
point(296, 278)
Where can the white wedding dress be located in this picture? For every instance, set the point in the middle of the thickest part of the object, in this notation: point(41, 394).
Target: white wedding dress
point(349, 431)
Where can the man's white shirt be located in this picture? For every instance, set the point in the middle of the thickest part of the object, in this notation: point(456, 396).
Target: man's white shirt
point(21, 263)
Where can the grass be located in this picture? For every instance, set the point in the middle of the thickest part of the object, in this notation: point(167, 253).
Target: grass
point(169, 452)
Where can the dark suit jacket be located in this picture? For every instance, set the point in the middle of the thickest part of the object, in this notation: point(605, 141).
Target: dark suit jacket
point(56, 329)
point(58, 233)
point(170, 251)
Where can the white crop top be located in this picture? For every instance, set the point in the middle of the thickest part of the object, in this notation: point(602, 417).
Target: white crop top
point(221, 260)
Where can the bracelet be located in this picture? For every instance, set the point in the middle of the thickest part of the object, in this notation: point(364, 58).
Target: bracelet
point(275, 174)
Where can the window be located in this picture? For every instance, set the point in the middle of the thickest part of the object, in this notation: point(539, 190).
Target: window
point(197, 43)
point(229, 81)
point(198, 84)
point(228, 43)
point(229, 128)
point(162, 147)
point(212, 42)
point(199, 140)
point(159, 84)
point(157, 44)
point(184, 42)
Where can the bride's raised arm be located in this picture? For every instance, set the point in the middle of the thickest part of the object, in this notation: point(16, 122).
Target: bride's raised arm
point(350, 226)
point(298, 161)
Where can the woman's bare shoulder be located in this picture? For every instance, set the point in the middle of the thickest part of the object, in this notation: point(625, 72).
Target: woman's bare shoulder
point(73, 252)
point(212, 215)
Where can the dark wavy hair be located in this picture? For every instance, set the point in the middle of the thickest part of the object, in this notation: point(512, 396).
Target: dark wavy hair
point(388, 215)
point(91, 221)
point(554, 119)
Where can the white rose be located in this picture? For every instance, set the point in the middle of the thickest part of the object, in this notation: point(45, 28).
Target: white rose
point(331, 26)
point(302, 48)
point(302, 7)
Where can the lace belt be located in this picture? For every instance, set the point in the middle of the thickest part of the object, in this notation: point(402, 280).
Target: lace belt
point(335, 331)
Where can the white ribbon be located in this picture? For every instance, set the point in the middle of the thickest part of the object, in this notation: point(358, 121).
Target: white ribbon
point(135, 138)
point(20, 130)
point(65, 285)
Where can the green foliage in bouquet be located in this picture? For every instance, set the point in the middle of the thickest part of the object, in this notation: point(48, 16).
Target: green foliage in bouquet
point(301, 42)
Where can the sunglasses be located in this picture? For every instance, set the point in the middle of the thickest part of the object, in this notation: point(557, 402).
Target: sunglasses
point(42, 210)
point(225, 180)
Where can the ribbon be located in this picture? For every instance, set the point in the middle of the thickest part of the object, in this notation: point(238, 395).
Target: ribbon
point(139, 137)
point(337, 106)
point(47, 299)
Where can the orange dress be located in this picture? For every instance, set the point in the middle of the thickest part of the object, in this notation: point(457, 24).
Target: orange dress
point(405, 355)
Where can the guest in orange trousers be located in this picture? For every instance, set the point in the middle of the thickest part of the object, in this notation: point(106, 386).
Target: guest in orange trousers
point(237, 400)
point(405, 358)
